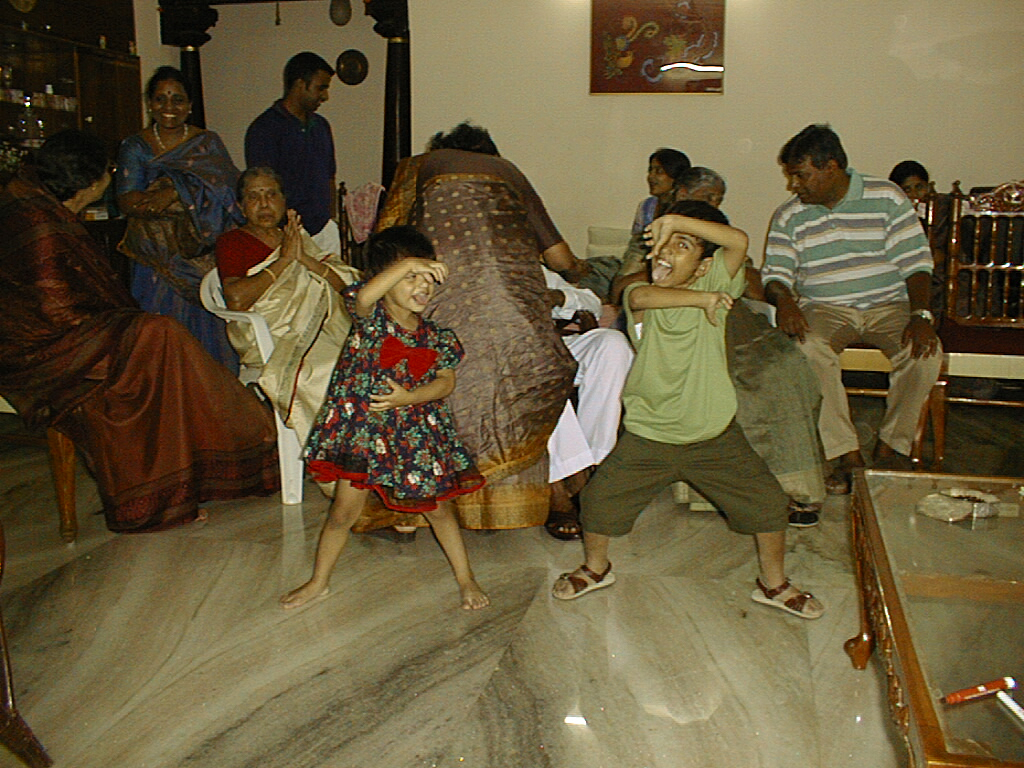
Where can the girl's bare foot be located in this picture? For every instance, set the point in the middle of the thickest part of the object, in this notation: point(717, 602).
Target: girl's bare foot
point(304, 594)
point(473, 598)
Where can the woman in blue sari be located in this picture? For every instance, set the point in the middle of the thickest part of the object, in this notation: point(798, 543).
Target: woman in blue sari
point(176, 184)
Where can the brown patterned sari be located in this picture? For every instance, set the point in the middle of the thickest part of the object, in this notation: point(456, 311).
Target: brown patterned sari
point(490, 227)
point(161, 425)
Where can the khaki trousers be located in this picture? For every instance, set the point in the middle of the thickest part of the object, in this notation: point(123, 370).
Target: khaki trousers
point(832, 329)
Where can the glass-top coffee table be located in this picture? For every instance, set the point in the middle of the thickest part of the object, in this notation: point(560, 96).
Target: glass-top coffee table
point(944, 603)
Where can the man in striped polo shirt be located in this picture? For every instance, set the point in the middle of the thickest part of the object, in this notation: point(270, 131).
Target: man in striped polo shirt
point(847, 261)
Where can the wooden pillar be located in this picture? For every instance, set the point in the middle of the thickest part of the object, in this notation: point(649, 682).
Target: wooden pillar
point(397, 108)
point(193, 73)
point(392, 17)
point(183, 23)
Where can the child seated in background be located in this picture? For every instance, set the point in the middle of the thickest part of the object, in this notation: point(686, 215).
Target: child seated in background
point(680, 406)
point(913, 179)
point(384, 424)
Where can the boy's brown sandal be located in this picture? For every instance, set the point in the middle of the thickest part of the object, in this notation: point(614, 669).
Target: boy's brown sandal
point(797, 604)
point(581, 586)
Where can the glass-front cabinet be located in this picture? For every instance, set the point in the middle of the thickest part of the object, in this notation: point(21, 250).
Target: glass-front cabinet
point(38, 86)
point(48, 84)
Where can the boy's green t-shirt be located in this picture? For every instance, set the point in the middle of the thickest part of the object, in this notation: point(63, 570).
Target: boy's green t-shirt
point(678, 390)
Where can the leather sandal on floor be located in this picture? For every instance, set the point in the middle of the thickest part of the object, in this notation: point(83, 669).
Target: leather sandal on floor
point(564, 525)
point(798, 604)
point(802, 515)
point(580, 585)
point(839, 482)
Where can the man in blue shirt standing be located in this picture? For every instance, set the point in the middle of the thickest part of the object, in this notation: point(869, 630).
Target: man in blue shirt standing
point(297, 143)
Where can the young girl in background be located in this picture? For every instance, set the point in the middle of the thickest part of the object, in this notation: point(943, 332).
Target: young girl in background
point(384, 425)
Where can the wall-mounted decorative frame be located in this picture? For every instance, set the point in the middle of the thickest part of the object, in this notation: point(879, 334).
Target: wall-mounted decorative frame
point(657, 46)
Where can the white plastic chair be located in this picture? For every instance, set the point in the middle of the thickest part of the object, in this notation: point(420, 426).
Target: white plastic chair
point(289, 449)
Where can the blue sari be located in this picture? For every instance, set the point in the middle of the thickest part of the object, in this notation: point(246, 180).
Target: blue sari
point(172, 253)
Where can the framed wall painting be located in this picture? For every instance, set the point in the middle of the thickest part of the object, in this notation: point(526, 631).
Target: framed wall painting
point(657, 46)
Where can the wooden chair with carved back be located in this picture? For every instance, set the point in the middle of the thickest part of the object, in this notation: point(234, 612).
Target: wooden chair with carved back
point(982, 326)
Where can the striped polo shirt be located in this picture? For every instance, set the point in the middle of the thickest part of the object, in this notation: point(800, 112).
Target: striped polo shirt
point(858, 254)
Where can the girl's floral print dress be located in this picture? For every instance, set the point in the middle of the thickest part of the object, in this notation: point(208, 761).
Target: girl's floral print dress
point(410, 455)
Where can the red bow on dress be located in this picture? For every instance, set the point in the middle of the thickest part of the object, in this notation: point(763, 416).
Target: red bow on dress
point(418, 359)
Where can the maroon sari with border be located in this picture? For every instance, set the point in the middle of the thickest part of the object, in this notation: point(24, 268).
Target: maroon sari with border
point(161, 425)
point(489, 226)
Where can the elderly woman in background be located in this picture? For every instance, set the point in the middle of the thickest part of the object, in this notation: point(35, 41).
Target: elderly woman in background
point(700, 183)
point(161, 425)
point(491, 229)
point(272, 266)
point(176, 184)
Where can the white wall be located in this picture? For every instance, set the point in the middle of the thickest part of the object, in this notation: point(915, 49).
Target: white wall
point(242, 69)
point(934, 80)
point(147, 35)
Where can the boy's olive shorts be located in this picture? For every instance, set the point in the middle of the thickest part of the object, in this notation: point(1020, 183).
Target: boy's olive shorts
point(725, 470)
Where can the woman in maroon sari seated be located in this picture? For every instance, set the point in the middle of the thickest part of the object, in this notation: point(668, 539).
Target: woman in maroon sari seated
point(161, 425)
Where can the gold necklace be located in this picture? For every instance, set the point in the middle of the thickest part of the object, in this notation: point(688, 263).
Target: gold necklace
point(156, 135)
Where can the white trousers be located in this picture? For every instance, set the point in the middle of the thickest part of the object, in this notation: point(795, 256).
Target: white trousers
point(584, 436)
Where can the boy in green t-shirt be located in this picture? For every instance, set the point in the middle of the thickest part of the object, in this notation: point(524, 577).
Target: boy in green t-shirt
point(680, 407)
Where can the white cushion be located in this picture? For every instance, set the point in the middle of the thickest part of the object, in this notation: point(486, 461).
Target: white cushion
point(606, 241)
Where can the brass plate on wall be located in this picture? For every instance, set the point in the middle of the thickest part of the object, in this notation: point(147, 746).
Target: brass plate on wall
point(352, 67)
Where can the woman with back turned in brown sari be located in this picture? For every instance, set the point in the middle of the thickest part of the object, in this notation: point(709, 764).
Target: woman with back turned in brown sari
point(161, 425)
point(490, 227)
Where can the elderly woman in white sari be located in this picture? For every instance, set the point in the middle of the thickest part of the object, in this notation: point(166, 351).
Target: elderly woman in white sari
point(270, 265)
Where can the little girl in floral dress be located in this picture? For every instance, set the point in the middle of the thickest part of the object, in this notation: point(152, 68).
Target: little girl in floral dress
point(384, 424)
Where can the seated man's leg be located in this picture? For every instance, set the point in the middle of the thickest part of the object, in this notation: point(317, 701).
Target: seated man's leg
point(569, 455)
point(832, 329)
point(911, 380)
point(778, 403)
point(568, 449)
point(604, 356)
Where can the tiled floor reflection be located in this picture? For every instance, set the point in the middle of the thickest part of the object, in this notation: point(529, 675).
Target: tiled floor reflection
point(166, 650)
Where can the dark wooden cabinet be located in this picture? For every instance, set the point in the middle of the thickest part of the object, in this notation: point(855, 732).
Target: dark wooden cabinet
point(105, 24)
point(110, 95)
point(49, 82)
point(70, 64)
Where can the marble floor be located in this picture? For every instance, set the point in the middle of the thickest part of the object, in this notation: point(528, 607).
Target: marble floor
point(169, 649)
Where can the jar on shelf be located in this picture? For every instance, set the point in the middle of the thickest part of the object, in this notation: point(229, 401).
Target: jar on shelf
point(29, 126)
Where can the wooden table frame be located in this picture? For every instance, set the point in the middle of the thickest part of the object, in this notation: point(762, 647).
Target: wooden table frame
point(14, 731)
point(884, 623)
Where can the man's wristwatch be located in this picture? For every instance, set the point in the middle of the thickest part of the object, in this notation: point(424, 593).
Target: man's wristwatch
point(925, 314)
